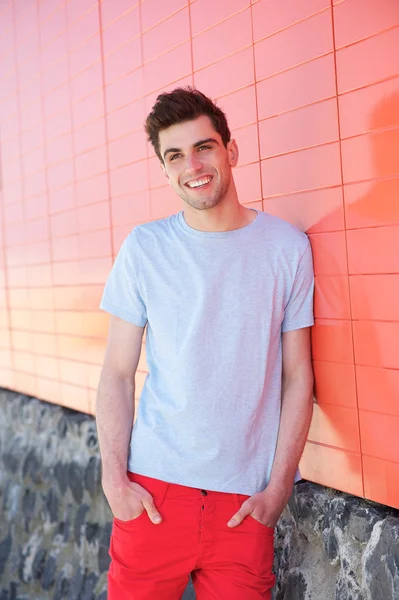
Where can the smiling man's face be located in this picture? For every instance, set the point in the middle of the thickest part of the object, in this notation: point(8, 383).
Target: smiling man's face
point(196, 163)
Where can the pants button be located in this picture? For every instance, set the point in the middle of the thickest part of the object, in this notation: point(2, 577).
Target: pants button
point(204, 493)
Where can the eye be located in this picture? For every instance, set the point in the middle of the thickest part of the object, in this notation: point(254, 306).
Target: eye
point(205, 147)
point(174, 157)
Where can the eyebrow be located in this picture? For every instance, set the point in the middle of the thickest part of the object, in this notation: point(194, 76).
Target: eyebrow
point(196, 145)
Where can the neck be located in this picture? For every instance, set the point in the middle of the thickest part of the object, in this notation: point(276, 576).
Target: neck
point(226, 216)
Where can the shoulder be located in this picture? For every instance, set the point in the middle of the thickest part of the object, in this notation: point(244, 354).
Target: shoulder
point(146, 233)
point(283, 235)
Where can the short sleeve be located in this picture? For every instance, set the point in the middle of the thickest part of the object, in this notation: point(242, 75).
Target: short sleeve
point(121, 296)
point(299, 309)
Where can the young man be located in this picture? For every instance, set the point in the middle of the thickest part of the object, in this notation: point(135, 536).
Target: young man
point(199, 482)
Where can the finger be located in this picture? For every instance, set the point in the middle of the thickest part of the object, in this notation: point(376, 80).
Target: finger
point(237, 518)
point(152, 512)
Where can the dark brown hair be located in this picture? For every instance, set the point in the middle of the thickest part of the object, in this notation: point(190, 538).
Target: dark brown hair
point(179, 106)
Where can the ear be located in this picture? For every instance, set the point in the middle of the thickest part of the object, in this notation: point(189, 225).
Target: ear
point(232, 149)
point(164, 171)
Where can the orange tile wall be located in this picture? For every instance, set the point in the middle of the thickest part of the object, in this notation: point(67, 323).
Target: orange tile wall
point(311, 90)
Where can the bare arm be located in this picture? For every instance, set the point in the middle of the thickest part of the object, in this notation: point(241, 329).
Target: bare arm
point(115, 397)
point(296, 414)
point(114, 416)
point(296, 410)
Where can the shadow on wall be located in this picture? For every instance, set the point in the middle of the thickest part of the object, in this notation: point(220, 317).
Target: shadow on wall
point(372, 160)
point(379, 205)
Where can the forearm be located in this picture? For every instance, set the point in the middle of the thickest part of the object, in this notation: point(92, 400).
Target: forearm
point(114, 416)
point(266, 506)
point(296, 415)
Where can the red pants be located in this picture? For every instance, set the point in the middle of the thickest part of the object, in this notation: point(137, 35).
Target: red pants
point(153, 562)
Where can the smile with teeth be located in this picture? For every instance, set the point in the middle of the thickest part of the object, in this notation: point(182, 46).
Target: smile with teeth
point(199, 182)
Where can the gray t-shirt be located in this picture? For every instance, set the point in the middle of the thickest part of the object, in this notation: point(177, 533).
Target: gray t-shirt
point(215, 305)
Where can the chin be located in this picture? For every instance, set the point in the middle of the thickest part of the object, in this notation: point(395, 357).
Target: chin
point(204, 204)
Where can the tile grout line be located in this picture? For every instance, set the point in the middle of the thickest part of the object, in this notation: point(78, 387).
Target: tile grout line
point(4, 257)
point(18, 96)
point(190, 29)
point(147, 159)
point(3, 247)
point(330, 446)
point(46, 178)
point(76, 208)
point(346, 243)
point(104, 99)
point(75, 155)
point(257, 109)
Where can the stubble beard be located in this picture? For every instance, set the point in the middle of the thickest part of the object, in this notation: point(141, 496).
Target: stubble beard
point(206, 202)
point(203, 203)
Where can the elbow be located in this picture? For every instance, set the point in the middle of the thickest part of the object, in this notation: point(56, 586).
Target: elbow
point(110, 376)
point(113, 384)
point(301, 380)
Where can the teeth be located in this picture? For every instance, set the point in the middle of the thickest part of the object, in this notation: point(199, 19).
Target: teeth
point(199, 182)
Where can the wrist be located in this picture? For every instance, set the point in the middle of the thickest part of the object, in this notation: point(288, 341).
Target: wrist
point(114, 480)
point(281, 488)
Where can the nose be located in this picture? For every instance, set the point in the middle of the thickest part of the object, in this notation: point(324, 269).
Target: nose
point(193, 163)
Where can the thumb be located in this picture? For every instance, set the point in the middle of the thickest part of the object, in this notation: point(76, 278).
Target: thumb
point(152, 512)
point(238, 517)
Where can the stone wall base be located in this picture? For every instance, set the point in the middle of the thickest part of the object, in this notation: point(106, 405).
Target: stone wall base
point(334, 546)
point(55, 523)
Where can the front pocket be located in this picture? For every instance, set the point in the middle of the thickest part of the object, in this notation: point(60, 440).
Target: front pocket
point(253, 525)
point(156, 488)
point(130, 521)
point(251, 518)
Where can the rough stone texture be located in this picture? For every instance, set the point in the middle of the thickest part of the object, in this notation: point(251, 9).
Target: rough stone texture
point(55, 523)
point(333, 546)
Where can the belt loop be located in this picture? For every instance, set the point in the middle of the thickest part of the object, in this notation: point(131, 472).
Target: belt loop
point(236, 500)
point(165, 488)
